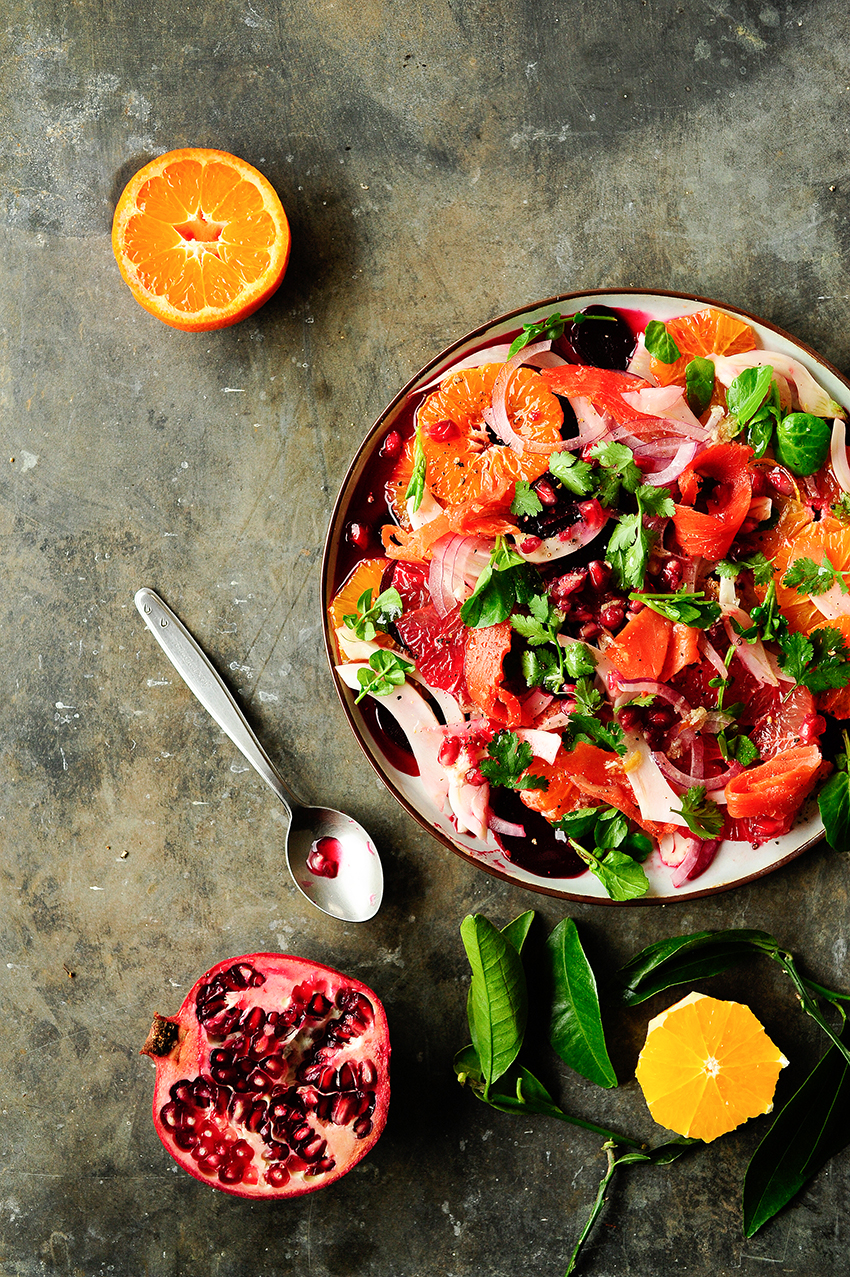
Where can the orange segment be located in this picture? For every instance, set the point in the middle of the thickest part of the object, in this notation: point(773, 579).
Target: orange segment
point(707, 1066)
point(367, 575)
point(200, 238)
point(826, 538)
point(463, 461)
point(708, 332)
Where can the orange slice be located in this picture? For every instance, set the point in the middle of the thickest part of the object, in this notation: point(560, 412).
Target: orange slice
point(200, 238)
point(708, 332)
point(464, 463)
point(707, 1066)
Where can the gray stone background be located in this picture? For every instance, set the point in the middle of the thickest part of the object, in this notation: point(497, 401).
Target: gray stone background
point(441, 163)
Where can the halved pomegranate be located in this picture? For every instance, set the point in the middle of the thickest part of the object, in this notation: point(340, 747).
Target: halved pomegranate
point(273, 1078)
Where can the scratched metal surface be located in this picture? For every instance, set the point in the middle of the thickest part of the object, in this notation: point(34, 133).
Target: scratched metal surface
point(440, 164)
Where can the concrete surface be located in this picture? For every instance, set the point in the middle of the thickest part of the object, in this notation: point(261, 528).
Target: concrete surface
point(441, 163)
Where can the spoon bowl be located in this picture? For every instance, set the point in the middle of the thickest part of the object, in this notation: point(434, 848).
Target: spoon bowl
point(332, 860)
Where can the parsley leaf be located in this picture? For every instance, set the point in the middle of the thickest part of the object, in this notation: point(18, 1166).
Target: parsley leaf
point(507, 758)
point(526, 500)
point(371, 617)
point(702, 816)
point(684, 607)
point(808, 577)
point(575, 475)
point(386, 672)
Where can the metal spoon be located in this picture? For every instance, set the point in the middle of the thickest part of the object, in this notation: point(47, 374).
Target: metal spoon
point(332, 859)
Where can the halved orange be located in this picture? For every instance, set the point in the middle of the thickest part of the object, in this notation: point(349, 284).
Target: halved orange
point(464, 462)
point(707, 1066)
point(200, 238)
point(708, 332)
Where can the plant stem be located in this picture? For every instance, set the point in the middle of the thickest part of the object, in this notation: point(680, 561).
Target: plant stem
point(807, 1002)
point(596, 1209)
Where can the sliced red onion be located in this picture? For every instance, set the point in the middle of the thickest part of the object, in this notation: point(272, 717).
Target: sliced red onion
point(691, 739)
point(650, 686)
point(593, 426)
point(711, 653)
point(685, 455)
point(496, 354)
point(687, 779)
point(497, 417)
point(667, 402)
point(697, 859)
point(640, 364)
point(505, 827)
point(838, 454)
point(455, 560)
point(536, 702)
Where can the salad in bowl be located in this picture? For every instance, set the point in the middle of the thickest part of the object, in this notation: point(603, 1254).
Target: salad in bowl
point(587, 601)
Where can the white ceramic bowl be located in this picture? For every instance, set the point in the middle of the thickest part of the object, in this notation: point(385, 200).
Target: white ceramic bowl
point(735, 862)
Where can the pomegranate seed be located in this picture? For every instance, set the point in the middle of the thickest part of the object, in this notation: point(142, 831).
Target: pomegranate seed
point(635, 607)
point(811, 729)
point(368, 1073)
point(530, 544)
point(545, 492)
point(612, 615)
point(391, 447)
point(581, 614)
point(599, 572)
point(440, 431)
point(449, 751)
point(277, 1176)
point(475, 777)
point(630, 718)
point(362, 1127)
point(780, 481)
point(589, 630)
point(672, 573)
point(358, 534)
point(659, 717)
point(319, 1006)
point(185, 1139)
point(231, 1173)
point(345, 1108)
point(759, 483)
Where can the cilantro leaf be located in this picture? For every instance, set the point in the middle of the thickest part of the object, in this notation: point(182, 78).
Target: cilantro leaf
point(819, 662)
point(631, 541)
point(579, 661)
point(386, 672)
point(619, 470)
point(588, 698)
point(575, 475)
point(526, 500)
point(371, 617)
point(760, 566)
point(657, 501)
point(543, 624)
point(507, 758)
point(702, 816)
point(767, 619)
point(808, 577)
point(588, 728)
point(684, 607)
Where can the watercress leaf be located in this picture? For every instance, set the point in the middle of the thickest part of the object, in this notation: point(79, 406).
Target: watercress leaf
point(748, 391)
point(760, 433)
point(699, 384)
point(682, 959)
point(659, 342)
point(575, 475)
point(526, 500)
point(612, 828)
point(548, 329)
point(638, 845)
point(575, 1027)
point(580, 823)
point(499, 999)
point(386, 671)
point(834, 806)
point(802, 442)
point(811, 1128)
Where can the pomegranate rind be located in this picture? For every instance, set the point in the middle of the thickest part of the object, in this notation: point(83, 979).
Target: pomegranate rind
point(189, 1065)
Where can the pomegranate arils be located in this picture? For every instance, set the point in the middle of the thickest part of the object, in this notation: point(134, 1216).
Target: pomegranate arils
point(280, 1094)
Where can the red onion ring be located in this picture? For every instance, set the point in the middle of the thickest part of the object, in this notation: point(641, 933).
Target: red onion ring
point(648, 685)
point(684, 457)
point(687, 779)
point(454, 558)
point(697, 859)
point(497, 417)
point(505, 827)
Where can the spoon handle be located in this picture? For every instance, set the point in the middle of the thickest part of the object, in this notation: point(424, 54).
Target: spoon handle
point(197, 671)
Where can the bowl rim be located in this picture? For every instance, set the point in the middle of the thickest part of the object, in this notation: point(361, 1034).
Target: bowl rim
point(353, 472)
